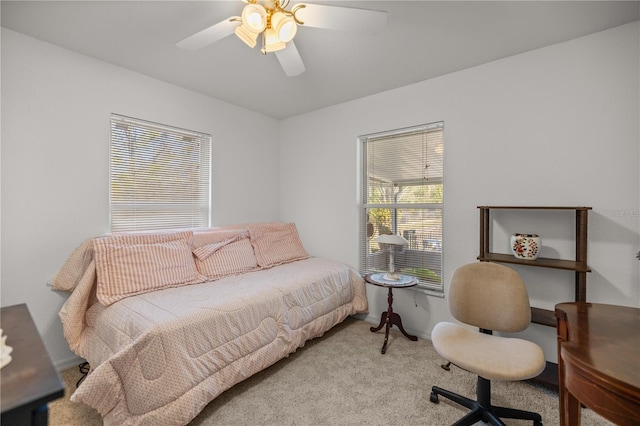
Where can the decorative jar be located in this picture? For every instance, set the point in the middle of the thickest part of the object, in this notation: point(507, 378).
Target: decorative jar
point(525, 246)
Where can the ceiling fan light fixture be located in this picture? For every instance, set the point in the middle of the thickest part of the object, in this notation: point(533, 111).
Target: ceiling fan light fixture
point(284, 26)
point(254, 17)
point(271, 42)
point(278, 25)
point(249, 37)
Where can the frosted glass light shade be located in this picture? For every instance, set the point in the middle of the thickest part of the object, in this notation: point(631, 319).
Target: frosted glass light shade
point(271, 41)
point(284, 26)
point(254, 16)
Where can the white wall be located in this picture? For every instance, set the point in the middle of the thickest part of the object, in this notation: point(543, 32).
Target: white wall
point(55, 129)
point(555, 126)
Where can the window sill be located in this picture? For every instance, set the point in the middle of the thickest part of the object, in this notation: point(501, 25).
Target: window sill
point(429, 291)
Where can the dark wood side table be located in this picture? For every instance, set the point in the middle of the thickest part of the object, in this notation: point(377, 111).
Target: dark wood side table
point(30, 380)
point(599, 361)
point(390, 318)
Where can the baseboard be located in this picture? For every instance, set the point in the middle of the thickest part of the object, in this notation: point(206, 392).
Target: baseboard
point(67, 363)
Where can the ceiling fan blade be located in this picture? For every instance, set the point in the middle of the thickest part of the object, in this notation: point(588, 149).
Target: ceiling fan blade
point(341, 18)
point(290, 60)
point(209, 35)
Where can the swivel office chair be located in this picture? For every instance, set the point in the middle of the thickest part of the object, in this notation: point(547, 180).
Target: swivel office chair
point(491, 297)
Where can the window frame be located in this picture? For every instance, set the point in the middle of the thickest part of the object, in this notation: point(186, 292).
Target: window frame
point(366, 227)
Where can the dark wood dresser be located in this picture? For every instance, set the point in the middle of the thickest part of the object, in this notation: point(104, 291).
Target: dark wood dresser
point(30, 380)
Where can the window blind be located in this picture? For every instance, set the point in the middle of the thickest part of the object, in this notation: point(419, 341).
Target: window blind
point(159, 176)
point(402, 193)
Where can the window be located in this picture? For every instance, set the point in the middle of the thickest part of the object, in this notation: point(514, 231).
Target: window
point(159, 176)
point(402, 190)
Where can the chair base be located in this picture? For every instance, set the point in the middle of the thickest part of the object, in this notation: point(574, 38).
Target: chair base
point(482, 410)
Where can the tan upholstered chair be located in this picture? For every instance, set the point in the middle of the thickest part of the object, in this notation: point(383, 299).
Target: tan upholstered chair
point(491, 297)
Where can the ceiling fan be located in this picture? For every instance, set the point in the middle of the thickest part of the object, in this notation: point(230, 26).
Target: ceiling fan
point(277, 25)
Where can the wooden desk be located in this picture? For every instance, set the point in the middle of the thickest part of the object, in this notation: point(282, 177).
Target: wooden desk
point(29, 381)
point(599, 361)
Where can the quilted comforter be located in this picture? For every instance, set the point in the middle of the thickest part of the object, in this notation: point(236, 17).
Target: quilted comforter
point(160, 357)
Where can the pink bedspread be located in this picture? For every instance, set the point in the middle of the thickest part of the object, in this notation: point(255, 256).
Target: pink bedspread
point(160, 357)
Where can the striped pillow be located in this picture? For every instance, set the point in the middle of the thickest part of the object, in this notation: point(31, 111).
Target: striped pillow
point(203, 237)
point(132, 264)
point(232, 256)
point(276, 243)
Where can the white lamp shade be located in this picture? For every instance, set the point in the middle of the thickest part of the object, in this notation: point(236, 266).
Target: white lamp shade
point(392, 239)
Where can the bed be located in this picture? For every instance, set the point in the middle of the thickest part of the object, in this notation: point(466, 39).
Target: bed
point(160, 356)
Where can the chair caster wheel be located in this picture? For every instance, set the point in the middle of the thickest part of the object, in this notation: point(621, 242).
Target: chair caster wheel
point(434, 397)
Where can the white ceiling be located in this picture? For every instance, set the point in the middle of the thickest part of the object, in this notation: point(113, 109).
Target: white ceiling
point(422, 40)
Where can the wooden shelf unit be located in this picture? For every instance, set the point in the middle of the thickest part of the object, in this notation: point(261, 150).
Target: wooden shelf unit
point(578, 265)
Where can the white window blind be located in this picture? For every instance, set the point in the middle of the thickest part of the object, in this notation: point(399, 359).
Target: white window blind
point(402, 193)
point(159, 176)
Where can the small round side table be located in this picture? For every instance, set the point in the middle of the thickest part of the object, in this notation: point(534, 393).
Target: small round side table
point(390, 318)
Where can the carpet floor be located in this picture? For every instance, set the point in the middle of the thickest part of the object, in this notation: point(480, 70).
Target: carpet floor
point(342, 378)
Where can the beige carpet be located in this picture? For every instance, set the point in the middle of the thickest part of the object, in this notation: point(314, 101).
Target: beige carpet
point(343, 379)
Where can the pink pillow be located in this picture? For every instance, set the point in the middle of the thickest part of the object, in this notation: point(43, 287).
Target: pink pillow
point(232, 256)
point(130, 264)
point(276, 243)
point(203, 237)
